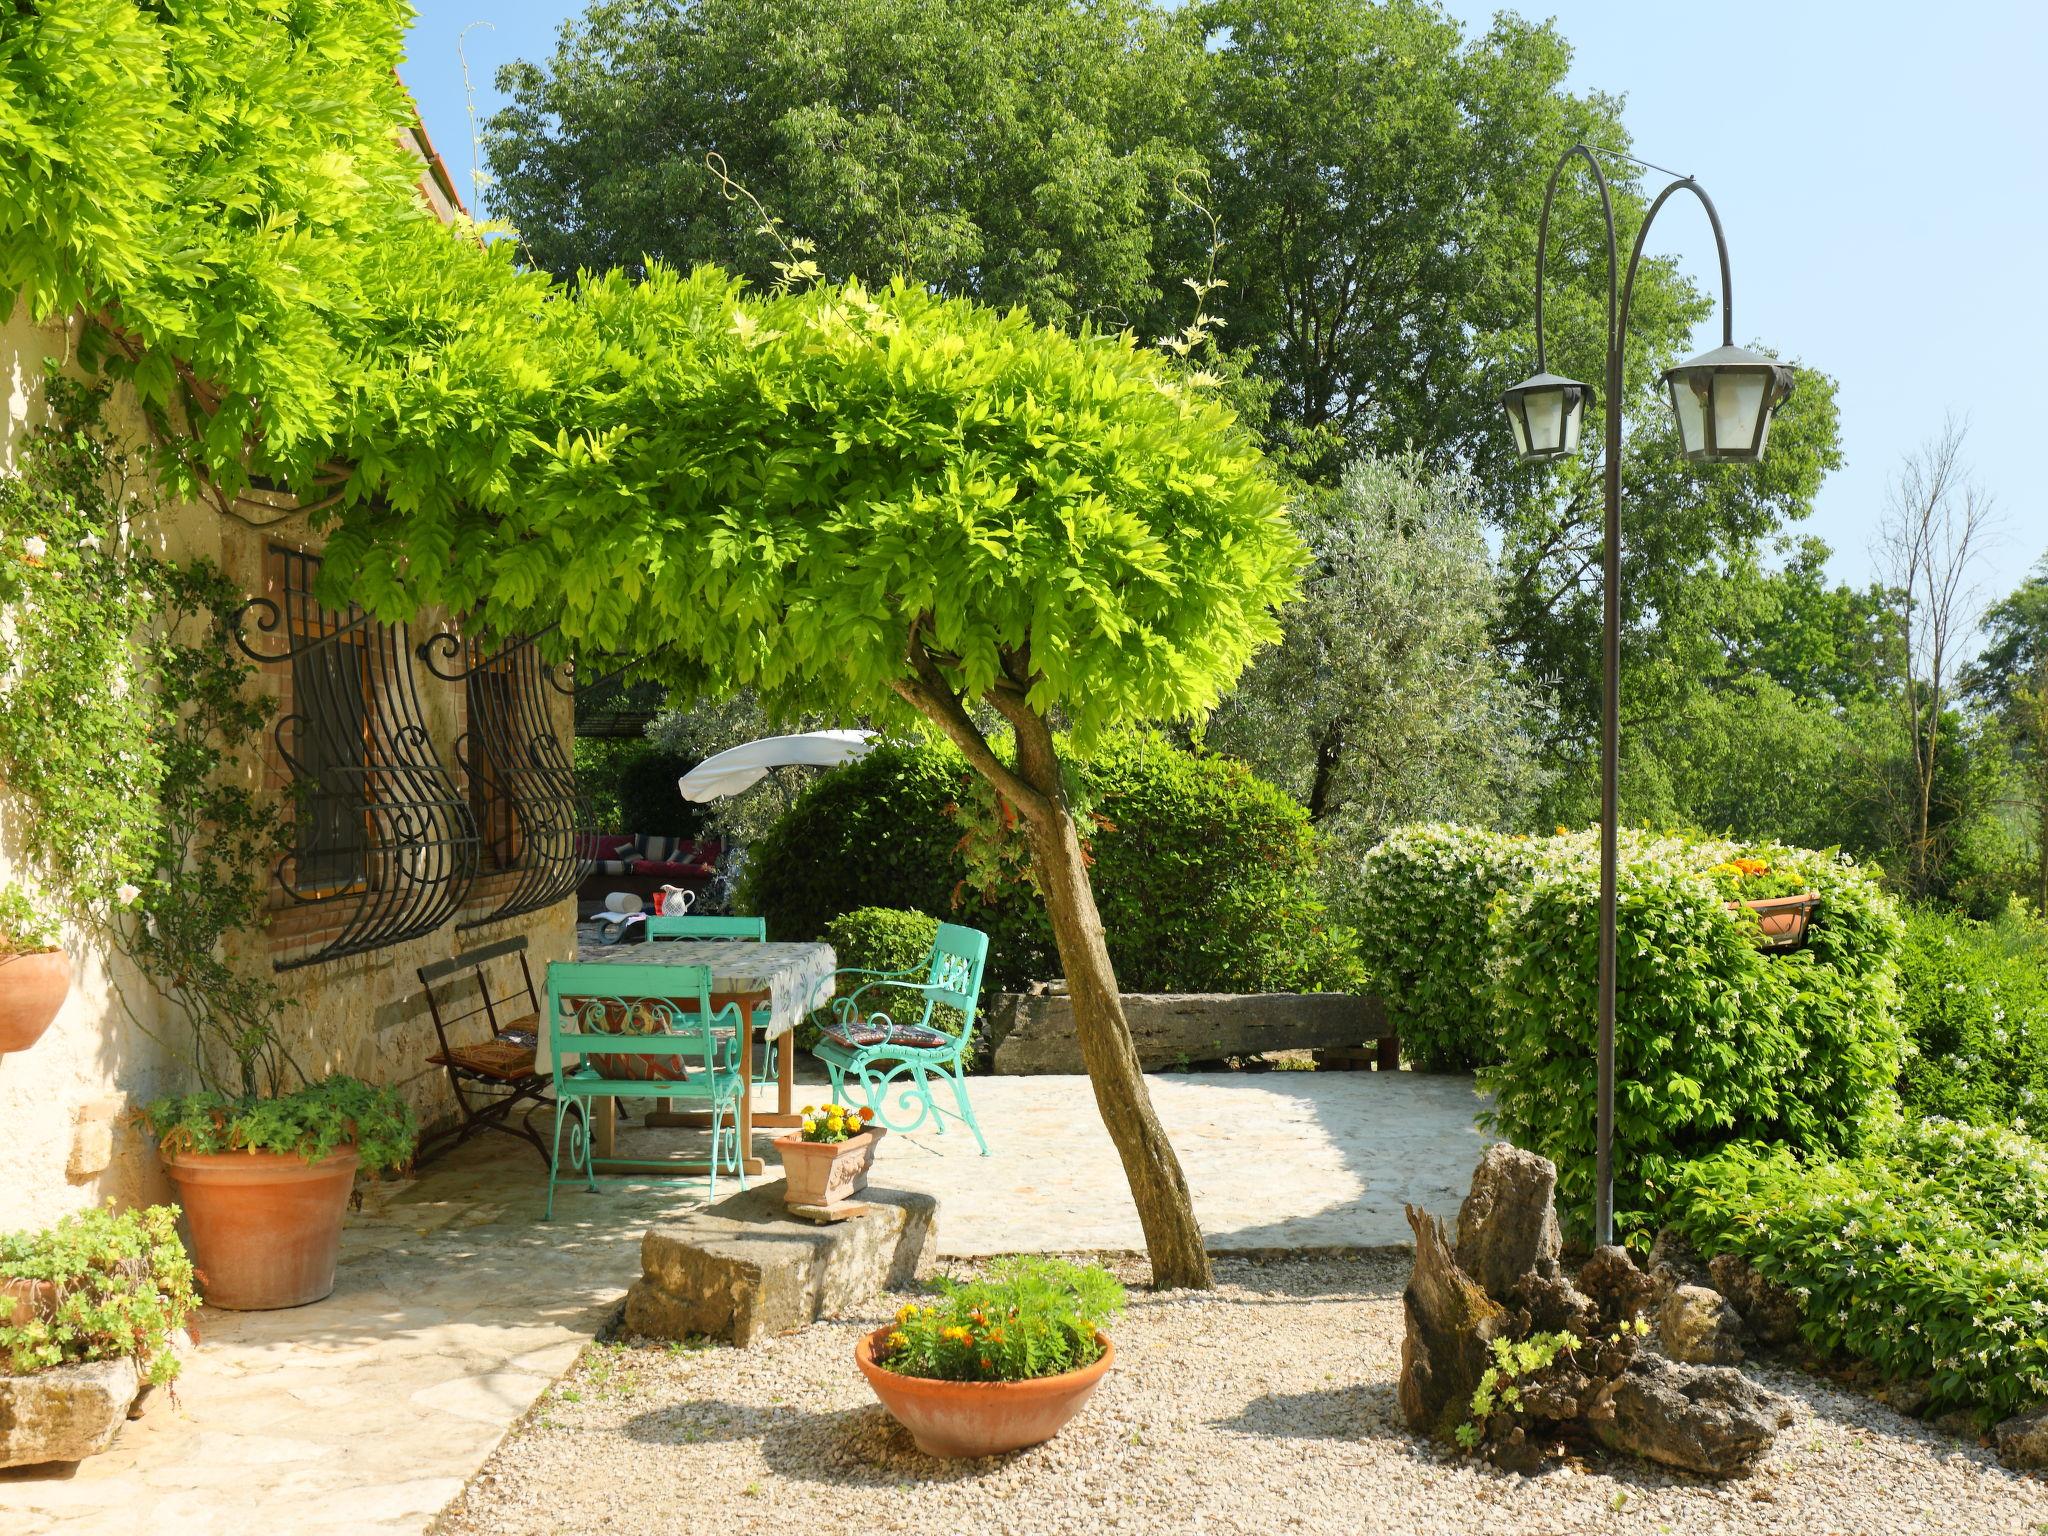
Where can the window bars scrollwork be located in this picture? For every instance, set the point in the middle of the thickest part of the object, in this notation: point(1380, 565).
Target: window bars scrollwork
point(536, 828)
point(383, 841)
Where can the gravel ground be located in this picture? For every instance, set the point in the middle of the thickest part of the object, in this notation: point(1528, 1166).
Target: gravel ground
point(1265, 1406)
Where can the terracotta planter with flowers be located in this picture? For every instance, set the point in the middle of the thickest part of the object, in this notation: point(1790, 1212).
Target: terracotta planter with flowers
point(980, 1418)
point(826, 1163)
point(32, 988)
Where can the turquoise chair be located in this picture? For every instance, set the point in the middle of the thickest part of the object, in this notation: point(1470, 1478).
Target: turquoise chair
point(754, 928)
point(886, 1057)
point(666, 1012)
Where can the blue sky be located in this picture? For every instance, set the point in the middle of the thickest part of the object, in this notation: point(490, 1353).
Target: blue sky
point(1881, 170)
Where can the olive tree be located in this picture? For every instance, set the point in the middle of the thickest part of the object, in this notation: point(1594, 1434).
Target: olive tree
point(894, 504)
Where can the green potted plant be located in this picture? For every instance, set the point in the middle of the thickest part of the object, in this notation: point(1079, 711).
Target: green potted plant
point(266, 1177)
point(826, 1163)
point(89, 1308)
point(997, 1363)
point(35, 974)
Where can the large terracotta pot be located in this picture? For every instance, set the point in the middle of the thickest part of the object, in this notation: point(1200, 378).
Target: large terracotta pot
point(32, 989)
point(980, 1418)
point(826, 1172)
point(266, 1226)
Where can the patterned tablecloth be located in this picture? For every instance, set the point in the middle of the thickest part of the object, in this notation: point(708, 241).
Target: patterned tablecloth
point(797, 977)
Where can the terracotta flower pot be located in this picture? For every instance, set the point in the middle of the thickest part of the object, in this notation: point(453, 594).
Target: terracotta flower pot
point(980, 1418)
point(32, 989)
point(1781, 920)
point(266, 1226)
point(826, 1172)
point(21, 1301)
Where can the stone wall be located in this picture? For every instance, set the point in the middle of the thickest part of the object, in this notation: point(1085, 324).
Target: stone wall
point(65, 1103)
point(1034, 1031)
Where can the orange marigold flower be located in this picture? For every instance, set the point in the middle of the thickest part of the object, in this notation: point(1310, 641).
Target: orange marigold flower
point(867, 1112)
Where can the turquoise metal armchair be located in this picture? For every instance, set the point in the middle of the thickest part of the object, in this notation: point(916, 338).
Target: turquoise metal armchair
point(750, 928)
point(604, 1018)
point(886, 1057)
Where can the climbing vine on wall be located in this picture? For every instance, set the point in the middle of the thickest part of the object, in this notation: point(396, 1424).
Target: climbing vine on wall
point(120, 699)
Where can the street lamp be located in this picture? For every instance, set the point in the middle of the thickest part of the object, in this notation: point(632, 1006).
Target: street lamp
point(1724, 401)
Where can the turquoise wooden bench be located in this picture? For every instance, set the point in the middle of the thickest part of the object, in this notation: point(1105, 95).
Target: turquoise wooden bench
point(754, 928)
point(886, 1057)
point(604, 1015)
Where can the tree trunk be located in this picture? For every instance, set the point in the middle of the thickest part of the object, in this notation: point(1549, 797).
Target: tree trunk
point(1173, 1237)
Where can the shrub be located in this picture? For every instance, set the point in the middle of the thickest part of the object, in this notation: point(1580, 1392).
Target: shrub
point(1923, 1257)
point(1715, 1040)
point(124, 1286)
point(883, 939)
point(1027, 1317)
point(872, 833)
point(1205, 877)
point(630, 784)
point(311, 1122)
point(1974, 1002)
point(1421, 904)
point(1203, 872)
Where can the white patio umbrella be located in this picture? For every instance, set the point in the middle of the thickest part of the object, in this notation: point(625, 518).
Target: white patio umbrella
point(738, 768)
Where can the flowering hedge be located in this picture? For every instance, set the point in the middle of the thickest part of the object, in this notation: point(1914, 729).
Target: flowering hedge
point(1422, 910)
point(1716, 1040)
point(1924, 1256)
point(1485, 948)
point(1974, 999)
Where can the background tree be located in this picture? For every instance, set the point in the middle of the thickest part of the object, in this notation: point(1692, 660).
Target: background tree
point(1385, 700)
point(2010, 677)
point(1020, 153)
point(1935, 524)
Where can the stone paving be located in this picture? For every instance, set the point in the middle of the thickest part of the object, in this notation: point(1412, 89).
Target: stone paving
point(456, 1306)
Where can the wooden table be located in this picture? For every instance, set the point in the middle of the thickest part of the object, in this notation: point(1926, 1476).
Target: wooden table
point(786, 980)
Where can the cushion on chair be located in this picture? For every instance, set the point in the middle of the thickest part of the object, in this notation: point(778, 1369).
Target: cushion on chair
point(636, 1019)
point(854, 1034)
point(915, 1037)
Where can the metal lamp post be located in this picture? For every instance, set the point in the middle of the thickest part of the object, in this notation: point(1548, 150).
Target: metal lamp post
point(1723, 401)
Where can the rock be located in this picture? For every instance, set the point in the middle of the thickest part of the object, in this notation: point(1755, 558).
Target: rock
point(1552, 1304)
point(1708, 1419)
point(2022, 1441)
point(1450, 1324)
point(1770, 1312)
point(743, 1269)
point(1507, 1226)
point(64, 1414)
point(1697, 1326)
point(1673, 1263)
point(1908, 1397)
point(1619, 1291)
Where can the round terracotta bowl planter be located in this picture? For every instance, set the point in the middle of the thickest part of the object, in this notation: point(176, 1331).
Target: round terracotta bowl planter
point(1781, 920)
point(827, 1172)
point(980, 1418)
point(266, 1226)
point(32, 989)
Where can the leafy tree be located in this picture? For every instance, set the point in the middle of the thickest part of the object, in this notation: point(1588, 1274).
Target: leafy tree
point(1019, 151)
point(893, 504)
point(1385, 701)
point(2011, 677)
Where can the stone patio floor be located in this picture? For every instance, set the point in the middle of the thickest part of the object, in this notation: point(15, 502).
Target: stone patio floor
point(456, 1306)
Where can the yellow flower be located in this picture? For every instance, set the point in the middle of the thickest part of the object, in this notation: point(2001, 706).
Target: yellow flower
point(955, 1334)
point(906, 1312)
point(898, 1339)
point(1564, 831)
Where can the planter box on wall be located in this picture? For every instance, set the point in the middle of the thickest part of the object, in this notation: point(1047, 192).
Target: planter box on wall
point(1035, 1030)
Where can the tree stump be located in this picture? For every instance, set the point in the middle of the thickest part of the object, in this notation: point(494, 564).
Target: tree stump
point(1556, 1358)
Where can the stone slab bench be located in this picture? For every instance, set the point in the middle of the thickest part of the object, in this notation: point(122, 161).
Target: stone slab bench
point(1035, 1030)
point(744, 1269)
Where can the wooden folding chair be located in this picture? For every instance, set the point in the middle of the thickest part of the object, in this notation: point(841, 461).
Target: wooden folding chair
point(492, 1076)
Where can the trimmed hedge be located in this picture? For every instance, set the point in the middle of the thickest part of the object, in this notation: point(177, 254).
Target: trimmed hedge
point(884, 939)
point(1974, 1001)
point(1423, 906)
point(1715, 1039)
point(1204, 873)
point(1926, 1257)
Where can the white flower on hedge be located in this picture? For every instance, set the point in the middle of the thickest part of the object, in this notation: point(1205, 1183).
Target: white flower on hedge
point(126, 893)
point(34, 547)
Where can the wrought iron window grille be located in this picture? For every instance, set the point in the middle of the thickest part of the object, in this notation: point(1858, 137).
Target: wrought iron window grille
point(535, 826)
point(383, 839)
